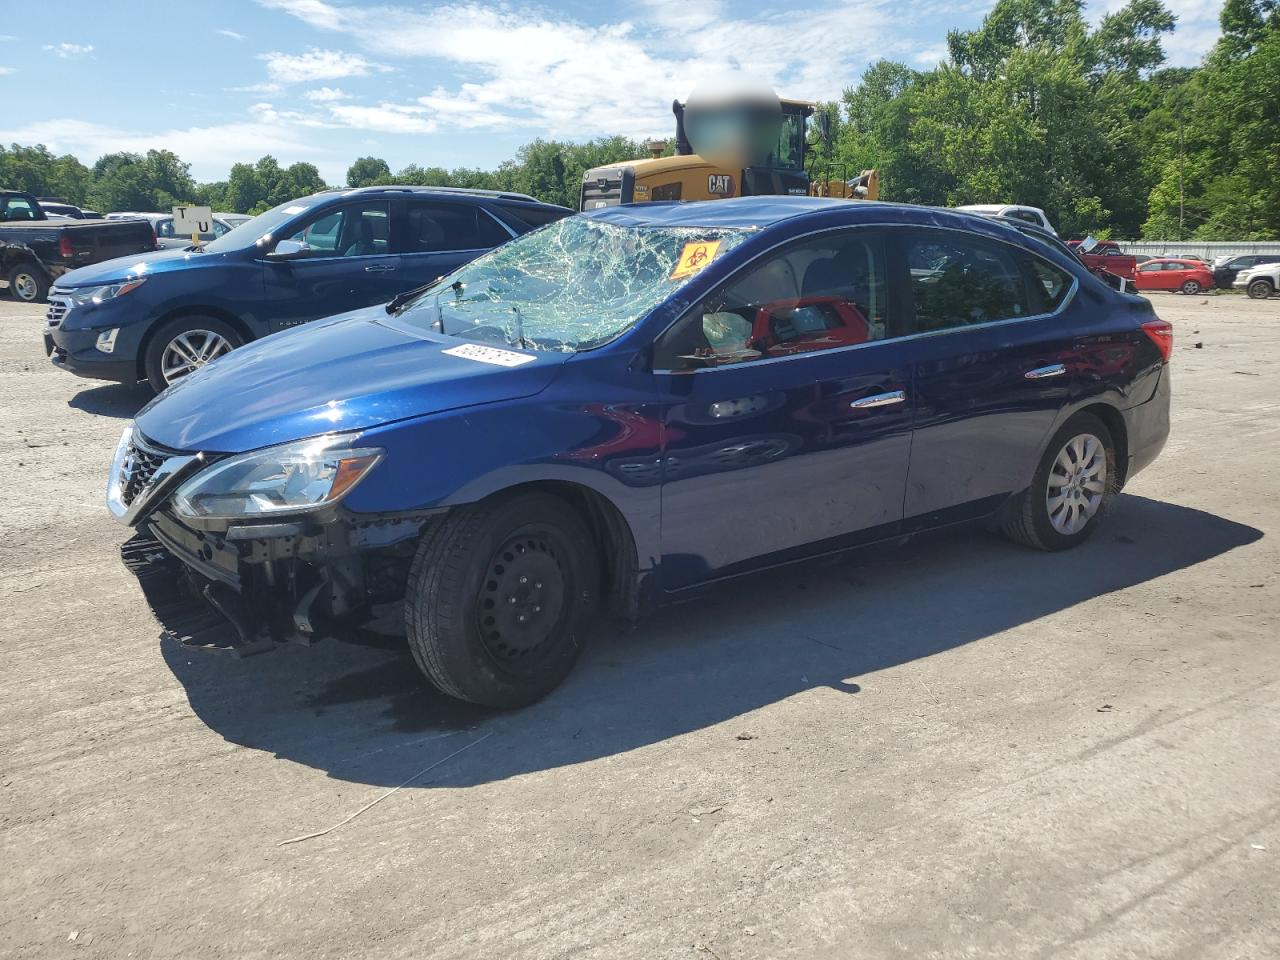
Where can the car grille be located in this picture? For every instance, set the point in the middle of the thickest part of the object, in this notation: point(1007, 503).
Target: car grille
point(140, 463)
point(58, 309)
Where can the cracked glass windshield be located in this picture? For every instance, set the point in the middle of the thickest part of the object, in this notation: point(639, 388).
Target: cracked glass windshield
point(573, 285)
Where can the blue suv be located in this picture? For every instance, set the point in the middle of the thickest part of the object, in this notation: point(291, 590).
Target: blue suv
point(159, 316)
point(623, 407)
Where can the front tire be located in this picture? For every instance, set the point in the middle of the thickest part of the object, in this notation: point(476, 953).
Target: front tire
point(499, 598)
point(1191, 287)
point(28, 283)
point(1260, 290)
point(184, 345)
point(1072, 488)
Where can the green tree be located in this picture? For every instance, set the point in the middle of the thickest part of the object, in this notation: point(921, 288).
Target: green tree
point(366, 171)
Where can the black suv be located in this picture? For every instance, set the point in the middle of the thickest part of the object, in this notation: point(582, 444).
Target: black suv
point(159, 316)
point(1224, 275)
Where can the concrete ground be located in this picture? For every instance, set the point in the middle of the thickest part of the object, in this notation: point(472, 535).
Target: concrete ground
point(957, 748)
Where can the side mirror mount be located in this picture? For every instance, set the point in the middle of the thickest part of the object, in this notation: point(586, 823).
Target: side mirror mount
point(289, 250)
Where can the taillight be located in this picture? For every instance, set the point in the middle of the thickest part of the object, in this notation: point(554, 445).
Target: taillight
point(64, 245)
point(1161, 334)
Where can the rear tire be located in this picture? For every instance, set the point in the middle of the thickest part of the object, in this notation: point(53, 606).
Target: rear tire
point(499, 598)
point(1191, 287)
point(1260, 290)
point(1071, 491)
point(28, 283)
point(201, 338)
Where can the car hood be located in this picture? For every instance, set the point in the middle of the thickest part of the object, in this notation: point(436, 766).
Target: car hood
point(351, 372)
point(137, 265)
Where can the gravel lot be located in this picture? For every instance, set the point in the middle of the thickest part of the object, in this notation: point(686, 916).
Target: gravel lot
point(955, 748)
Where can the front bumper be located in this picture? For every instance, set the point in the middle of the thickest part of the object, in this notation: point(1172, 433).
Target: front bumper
point(272, 583)
point(76, 352)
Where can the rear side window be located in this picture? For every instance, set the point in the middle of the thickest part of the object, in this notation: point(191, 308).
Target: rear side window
point(531, 216)
point(440, 227)
point(1055, 283)
point(959, 280)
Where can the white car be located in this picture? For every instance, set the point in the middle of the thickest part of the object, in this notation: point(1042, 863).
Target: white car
point(1032, 215)
point(1260, 282)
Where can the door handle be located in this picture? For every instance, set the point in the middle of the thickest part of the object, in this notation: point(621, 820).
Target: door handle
point(379, 268)
point(880, 400)
point(1040, 373)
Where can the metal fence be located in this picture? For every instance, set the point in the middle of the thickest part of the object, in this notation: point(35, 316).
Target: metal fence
point(1208, 250)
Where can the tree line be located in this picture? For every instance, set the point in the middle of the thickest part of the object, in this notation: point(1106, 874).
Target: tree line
point(1035, 106)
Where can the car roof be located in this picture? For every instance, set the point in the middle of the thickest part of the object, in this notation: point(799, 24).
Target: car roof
point(442, 191)
point(762, 212)
point(985, 207)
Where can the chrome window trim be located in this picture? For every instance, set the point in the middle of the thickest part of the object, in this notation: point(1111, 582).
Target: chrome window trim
point(1066, 302)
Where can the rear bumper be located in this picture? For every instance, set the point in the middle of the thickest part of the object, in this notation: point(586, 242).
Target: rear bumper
point(1147, 426)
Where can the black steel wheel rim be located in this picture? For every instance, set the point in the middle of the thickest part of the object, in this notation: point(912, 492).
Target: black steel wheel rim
point(522, 598)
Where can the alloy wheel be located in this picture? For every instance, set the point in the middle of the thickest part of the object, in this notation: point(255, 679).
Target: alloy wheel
point(189, 351)
point(1077, 484)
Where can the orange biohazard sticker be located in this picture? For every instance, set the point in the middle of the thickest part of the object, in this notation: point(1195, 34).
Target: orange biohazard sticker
point(694, 257)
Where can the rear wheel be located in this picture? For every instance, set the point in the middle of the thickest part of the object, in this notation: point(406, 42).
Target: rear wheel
point(498, 599)
point(1260, 289)
point(28, 283)
point(1191, 287)
point(183, 346)
point(1071, 489)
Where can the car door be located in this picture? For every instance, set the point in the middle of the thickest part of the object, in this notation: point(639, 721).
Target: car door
point(787, 422)
point(438, 236)
point(347, 262)
point(992, 368)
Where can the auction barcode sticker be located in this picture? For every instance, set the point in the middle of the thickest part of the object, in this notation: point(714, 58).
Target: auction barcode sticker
point(503, 358)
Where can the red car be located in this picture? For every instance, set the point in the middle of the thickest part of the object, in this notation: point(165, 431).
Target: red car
point(1188, 276)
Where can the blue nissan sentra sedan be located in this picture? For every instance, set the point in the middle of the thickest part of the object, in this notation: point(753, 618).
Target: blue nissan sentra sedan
point(624, 406)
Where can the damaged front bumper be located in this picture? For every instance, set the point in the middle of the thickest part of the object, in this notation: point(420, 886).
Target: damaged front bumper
point(243, 588)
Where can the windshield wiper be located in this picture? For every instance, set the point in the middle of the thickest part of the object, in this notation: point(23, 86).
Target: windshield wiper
point(520, 340)
point(400, 299)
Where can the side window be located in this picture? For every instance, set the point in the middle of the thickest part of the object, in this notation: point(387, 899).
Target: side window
point(1055, 283)
point(817, 294)
point(531, 216)
point(442, 227)
point(164, 228)
point(959, 280)
point(358, 230)
point(667, 191)
point(1150, 267)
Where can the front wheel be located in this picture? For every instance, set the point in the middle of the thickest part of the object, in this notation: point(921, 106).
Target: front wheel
point(1260, 289)
point(499, 597)
point(28, 283)
point(1071, 489)
point(183, 346)
point(1191, 287)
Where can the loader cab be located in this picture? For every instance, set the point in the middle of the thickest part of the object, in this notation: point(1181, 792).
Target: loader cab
point(687, 176)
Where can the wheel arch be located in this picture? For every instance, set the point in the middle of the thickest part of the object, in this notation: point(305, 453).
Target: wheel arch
point(1115, 424)
point(177, 313)
point(610, 531)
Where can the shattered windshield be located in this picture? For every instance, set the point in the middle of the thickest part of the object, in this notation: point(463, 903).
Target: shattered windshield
point(572, 285)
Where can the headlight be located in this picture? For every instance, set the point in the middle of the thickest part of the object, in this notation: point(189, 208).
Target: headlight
point(108, 291)
point(290, 478)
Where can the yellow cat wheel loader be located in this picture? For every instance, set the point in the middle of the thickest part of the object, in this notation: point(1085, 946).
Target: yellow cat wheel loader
point(686, 176)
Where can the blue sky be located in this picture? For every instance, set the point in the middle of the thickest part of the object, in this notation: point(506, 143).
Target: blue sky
point(457, 84)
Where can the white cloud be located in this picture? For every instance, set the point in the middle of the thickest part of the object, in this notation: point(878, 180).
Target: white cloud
point(384, 118)
point(68, 50)
point(521, 67)
point(232, 34)
point(932, 56)
point(317, 65)
point(325, 94)
point(5, 71)
point(262, 89)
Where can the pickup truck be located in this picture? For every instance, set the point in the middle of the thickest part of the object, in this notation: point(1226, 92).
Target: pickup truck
point(35, 250)
point(1104, 256)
